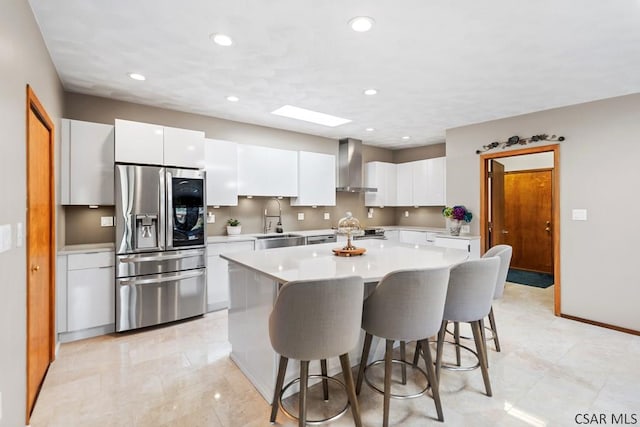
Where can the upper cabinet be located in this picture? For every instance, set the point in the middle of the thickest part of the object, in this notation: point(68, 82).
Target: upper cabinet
point(316, 180)
point(86, 163)
point(264, 171)
point(150, 144)
point(184, 148)
point(221, 163)
point(383, 176)
point(419, 183)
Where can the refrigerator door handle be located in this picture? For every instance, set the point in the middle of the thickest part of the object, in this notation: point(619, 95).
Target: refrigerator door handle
point(134, 281)
point(169, 211)
point(162, 208)
point(181, 255)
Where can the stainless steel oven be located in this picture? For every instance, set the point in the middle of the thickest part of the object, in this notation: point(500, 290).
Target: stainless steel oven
point(160, 273)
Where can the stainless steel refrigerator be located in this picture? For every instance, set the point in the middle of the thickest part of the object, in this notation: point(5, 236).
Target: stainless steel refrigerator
point(160, 273)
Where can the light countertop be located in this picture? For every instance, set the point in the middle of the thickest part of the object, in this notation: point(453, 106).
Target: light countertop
point(318, 261)
point(86, 248)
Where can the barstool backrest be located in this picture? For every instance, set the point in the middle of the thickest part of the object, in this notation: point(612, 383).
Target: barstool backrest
point(471, 288)
point(317, 319)
point(407, 305)
point(504, 253)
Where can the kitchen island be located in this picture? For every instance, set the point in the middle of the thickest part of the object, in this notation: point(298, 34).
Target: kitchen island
point(256, 276)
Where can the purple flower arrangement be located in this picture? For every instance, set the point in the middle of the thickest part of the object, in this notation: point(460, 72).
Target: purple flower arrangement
point(457, 212)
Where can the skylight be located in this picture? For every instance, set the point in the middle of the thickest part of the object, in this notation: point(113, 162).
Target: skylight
point(310, 116)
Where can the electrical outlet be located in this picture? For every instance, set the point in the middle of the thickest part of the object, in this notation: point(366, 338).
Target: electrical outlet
point(19, 235)
point(327, 215)
point(406, 214)
point(300, 216)
point(211, 218)
point(106, 221)
point(465, 229)
point(5, 237)
point(370, 213)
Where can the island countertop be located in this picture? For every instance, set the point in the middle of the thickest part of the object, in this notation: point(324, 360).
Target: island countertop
point(319, 262)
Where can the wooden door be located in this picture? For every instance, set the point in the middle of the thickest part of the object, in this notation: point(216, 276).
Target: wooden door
point(528, 215)
point(497, 229)
point(40, 253)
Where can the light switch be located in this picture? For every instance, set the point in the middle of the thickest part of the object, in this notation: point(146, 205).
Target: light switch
point(211, 218)
point(370, 213)
point(106, 221)
point(465, 229)
point(406, 214)
point(300, 216)
point(5, 237)
point(327, 215)
point(579, 214)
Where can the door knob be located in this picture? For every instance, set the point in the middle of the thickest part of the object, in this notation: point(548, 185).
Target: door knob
point(35, 268)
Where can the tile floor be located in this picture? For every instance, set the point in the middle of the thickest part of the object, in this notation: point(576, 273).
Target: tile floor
point(550, 370)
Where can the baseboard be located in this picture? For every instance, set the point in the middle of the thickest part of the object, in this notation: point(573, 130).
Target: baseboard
point(602, 325)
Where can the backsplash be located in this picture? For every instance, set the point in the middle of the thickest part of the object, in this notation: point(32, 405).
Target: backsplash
point(82, 224)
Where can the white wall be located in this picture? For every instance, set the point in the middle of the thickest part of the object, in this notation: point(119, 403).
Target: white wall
point(598, 172)
point(23, 60)
point(527, 162)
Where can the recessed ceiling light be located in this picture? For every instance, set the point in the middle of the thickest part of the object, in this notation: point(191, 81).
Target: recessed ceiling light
point(137, 76)
point(361, 23)
point(370, 92)
point(233, 98)
point(369, 129)
point(406, 137)
point(221, 39)
point(310, 116)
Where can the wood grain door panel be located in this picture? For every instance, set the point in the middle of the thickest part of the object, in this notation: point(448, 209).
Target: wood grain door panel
point(527, 220)
point(40, 252)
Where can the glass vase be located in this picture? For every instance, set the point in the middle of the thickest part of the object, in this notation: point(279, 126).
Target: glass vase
point(454, 227)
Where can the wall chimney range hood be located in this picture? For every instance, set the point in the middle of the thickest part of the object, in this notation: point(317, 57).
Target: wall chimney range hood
point(350, 167)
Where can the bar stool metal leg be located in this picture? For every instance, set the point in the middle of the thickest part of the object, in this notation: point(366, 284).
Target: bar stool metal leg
point(433, 380)
point(456, 335)
point(387, 382)
point(494, 330)
point(416, 354)
point(325, 382)
point(483, 334)
point(440, 348)
point(477, 336)
point(302, 399)
point(282, 369)
point(351, 390)
point(403, 356)
point(363, 361)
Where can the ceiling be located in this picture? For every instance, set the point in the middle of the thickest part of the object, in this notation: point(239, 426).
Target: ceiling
point(436, 64)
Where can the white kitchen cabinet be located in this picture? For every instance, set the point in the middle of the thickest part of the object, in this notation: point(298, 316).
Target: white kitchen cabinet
point(265, 171)
point(90, 298)
point(393, 235)
point(421, 183)
point(218, 274)
point(316, 180)
point(472, 245)
point(221, 163)
point(86, 163)
point(383, 176)
point(150, 144)
point(429, 182)
point(141, 143)
point(404, 184)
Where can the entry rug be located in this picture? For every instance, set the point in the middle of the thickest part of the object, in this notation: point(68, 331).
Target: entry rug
point(530, 278)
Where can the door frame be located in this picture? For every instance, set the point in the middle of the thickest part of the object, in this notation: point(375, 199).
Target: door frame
point(555, 206)
point(34, 105)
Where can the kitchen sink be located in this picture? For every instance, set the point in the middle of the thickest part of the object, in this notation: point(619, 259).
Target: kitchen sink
point(270, 241)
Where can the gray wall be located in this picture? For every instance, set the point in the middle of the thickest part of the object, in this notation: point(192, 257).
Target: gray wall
point(598, 172)
point(23, 60)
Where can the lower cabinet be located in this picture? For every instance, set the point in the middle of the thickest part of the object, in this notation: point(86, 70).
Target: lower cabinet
point(471, 245)
point(218, 274)
point(86, 305)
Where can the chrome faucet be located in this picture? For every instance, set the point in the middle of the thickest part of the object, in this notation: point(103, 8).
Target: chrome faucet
point(267, 217)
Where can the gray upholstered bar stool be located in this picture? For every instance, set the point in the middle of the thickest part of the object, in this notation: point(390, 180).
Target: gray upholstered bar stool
point(471, 288)
point(503, 252)
point(316, 320)
point(406, 305)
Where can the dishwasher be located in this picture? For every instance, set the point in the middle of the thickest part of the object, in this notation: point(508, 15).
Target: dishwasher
point(325, 238)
